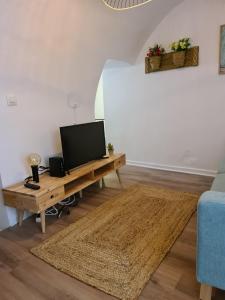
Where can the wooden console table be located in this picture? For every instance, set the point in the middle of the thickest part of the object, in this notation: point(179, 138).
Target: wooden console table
point(54, 189)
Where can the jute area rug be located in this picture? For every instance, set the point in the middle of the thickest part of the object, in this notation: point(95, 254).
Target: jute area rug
point(118, 245)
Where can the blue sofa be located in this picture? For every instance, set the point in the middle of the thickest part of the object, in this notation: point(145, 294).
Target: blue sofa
point(211, 237)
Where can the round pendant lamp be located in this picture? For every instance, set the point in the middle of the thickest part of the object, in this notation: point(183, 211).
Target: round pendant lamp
point(124, 4)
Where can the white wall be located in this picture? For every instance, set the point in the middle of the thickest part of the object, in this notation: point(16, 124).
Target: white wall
point(32, 126)
point(99, 100)
point(4, 221)
point(172, 119)
point(51, 50)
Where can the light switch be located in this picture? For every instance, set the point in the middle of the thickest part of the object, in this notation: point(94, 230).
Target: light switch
point(11, 100)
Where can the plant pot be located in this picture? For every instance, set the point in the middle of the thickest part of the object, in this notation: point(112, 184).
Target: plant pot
point(155, 62)
point(111, 152)
point(179, 58)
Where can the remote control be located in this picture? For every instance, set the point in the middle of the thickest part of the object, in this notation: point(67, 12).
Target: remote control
point(32, 186)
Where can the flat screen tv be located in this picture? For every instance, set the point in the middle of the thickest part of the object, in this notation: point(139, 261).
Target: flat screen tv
point(82, 143)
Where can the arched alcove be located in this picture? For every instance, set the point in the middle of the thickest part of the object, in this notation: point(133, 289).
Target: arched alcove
point(102, 109)
point(99, 100)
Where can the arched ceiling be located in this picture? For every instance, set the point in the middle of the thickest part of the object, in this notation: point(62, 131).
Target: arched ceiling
point(65, 43)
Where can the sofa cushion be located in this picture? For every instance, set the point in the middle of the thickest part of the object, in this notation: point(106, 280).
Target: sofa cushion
point(219, 183)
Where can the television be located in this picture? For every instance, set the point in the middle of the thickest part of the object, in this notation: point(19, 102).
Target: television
point(82, 143)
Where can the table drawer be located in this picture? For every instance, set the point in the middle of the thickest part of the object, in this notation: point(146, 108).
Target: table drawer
point(51, 198)
point(119, 162)
point(20, 201)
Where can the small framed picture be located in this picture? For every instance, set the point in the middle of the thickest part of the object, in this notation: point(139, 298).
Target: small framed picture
point(222, 50)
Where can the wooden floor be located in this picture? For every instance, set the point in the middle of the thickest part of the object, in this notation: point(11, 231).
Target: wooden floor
point(25, 277)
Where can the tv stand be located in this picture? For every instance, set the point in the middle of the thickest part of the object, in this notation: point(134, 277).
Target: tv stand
point(54, 189)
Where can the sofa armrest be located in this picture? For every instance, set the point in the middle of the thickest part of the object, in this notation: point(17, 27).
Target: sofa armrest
point(212, 197)
point(221, 168)
point(211, 239)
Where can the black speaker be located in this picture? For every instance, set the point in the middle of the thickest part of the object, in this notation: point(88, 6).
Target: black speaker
point(56, 166)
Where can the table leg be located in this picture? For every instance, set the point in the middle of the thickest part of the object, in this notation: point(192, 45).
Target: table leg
point(103, 182)
point(20, 216)
point(100, 184)
point(81, 194)
point(43, 221)
point(118, 175)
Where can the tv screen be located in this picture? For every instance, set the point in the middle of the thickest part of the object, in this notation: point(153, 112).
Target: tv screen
point(82, 143)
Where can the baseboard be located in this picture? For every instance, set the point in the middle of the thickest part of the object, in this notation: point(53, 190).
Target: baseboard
point(187, 170)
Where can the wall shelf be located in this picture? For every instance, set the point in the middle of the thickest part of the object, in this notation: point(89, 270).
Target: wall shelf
point(191, 60)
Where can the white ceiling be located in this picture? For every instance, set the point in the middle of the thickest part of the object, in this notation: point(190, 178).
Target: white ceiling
point(65, 43)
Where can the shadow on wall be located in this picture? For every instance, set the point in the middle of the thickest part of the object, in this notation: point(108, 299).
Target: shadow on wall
point(4, 221)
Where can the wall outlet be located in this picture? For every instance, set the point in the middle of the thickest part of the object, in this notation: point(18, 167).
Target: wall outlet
point(11, 100)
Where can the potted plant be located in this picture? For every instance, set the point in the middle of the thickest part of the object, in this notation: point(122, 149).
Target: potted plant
point(154, 55)
point(110, 149)
point(180, 47)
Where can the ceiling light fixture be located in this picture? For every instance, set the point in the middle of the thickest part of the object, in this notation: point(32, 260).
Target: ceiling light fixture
point(124, 4)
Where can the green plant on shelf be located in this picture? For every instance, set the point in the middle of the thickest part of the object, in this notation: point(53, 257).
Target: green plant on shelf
point(110, 147)
point(181, 45)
